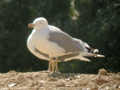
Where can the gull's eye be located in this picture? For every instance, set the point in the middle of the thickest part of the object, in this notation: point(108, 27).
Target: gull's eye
point(39, 22)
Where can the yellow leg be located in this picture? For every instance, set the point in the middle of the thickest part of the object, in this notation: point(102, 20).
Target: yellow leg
point(53, 66)
point(56, 66)
point(49, 67)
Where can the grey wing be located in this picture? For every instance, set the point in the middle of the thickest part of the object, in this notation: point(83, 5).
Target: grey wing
point(82, 45)
point(85, 47)
point(64, 40)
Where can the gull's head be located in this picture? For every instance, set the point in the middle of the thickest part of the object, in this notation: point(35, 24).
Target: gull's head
point(38, 23)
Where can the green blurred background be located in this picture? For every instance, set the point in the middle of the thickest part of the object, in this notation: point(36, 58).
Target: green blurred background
point(94, 21)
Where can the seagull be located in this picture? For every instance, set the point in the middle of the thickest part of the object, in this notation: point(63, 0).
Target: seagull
point(52, 44)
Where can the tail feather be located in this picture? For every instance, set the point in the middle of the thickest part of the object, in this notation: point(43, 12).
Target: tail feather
point(95, 55)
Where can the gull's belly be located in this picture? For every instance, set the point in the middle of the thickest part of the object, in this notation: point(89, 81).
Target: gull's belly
point(50, 48)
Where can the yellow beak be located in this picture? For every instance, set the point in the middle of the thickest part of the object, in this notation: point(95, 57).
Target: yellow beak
point(30, 25)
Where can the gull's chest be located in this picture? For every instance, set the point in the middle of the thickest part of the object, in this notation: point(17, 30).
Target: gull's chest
point(41, 38)
point(38, 39)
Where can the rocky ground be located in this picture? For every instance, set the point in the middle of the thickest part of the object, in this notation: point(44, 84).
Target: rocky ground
point(43, 80)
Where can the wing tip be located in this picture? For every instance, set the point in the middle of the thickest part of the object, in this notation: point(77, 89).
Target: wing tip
point(94, 55)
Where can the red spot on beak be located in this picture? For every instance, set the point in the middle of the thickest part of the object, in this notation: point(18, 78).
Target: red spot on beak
point(30, 25)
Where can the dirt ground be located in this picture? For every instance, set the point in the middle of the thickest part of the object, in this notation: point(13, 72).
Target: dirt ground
point(43, 80)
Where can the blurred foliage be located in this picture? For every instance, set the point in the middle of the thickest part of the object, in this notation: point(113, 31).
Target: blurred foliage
point(94, 21)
